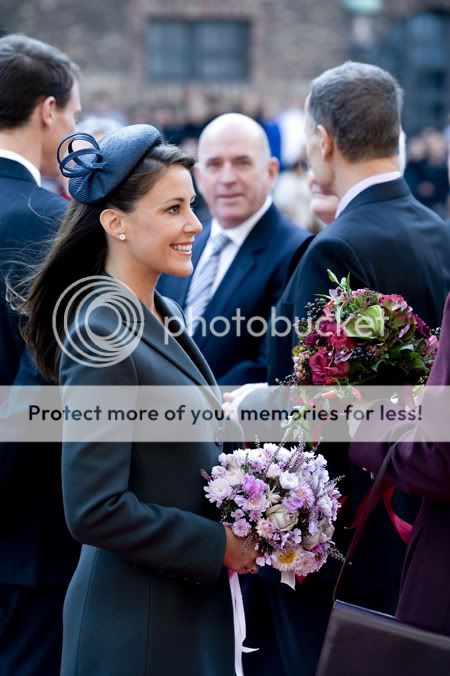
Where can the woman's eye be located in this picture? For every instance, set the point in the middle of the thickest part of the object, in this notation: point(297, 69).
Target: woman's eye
point(174, 210)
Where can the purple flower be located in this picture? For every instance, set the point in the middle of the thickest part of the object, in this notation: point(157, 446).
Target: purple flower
point(253, 487)
point(241, 528)
point(293, 503)
point(265, 529)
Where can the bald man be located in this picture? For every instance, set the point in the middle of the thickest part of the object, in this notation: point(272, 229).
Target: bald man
point(244, 256)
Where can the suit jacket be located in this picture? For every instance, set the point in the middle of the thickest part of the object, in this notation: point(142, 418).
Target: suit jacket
point(252, 284)
point(152, 546)
point(387, 241)
point(31, 513)
point(421, 467)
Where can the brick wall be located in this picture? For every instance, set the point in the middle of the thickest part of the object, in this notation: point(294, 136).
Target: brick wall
point(291, 40)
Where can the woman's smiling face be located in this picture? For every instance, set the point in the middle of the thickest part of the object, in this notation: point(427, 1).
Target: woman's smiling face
point(161, 228)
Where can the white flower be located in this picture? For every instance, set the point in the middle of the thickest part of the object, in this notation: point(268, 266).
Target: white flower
point(257, 458)
point(240, 457)
point(288, 480)
point(217, 490)
point(325, 505)
point(273, 497)
point(270, 450)
point(281, 518)
point(234, 476)
point(324, 533)
point(273, 471)
point(283, 455)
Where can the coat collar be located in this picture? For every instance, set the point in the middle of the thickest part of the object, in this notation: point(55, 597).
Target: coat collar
point(13, 169)
point(180, 351)
point(379, 192)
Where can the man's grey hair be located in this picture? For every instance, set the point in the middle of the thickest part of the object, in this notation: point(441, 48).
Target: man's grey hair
point(360, 105)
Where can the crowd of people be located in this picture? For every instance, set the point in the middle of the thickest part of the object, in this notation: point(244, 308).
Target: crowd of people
point(112, 561)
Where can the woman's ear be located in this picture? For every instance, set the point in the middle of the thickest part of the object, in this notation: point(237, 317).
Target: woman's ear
point(112, 222)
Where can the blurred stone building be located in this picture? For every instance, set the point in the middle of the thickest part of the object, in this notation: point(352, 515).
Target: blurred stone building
point(260, 53)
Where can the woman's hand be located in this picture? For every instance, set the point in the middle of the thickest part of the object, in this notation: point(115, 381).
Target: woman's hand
point(237, 556)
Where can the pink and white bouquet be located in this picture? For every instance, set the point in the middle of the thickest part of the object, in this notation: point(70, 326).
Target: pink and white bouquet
point(282, 499)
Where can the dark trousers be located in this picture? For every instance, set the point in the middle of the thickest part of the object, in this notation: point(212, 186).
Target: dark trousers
point(288, 626)
point(30, 630)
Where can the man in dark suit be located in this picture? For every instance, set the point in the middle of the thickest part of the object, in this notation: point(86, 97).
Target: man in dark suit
point(39, 101)
point(387, 241)
point(228, 299)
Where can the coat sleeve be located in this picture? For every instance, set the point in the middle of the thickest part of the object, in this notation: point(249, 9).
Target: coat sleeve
point(100, 508)
point(419, 466)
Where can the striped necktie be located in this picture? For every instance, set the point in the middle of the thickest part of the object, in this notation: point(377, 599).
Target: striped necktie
point(203, 278)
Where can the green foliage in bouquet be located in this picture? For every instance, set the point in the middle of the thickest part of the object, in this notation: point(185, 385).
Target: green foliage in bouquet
point(362, 337)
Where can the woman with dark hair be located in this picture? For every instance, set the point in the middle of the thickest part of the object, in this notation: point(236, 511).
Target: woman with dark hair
point(150, 595)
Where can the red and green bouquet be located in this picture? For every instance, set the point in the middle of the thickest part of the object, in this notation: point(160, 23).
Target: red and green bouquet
point(362, 337)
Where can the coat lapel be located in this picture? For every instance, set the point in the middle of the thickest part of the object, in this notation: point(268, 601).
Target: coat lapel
point(181, 351)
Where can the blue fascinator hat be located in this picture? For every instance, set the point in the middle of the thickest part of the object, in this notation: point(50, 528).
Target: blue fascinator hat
point(96, 169)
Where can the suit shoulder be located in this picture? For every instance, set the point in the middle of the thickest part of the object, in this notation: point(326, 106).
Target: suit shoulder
point(33, 208)
point(54, 204)
point(287, 233)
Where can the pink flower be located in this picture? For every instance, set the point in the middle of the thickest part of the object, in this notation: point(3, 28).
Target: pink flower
point(324, 371)
point(431, 345)
point(312, 338)
point(326, 327)
point(341, 342)
point(252, 486)
point(393, 301)
point(241, 528)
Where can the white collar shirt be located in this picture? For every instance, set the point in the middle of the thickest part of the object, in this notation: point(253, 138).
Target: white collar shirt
point(363, 185)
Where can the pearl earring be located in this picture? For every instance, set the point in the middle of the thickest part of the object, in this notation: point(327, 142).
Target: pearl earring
point(122, 236)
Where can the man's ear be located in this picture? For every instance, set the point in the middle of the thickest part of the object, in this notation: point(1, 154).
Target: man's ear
point(48, 110)
point(198, 176)
point(112, 222)
point(273, 168)
point(326, 142)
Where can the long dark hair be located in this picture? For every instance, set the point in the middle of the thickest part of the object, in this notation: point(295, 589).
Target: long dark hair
point(79, 250)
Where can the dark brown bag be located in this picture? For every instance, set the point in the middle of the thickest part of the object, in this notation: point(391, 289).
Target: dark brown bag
point(363, 642)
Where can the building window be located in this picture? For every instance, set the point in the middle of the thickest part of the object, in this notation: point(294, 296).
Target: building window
point(417, 51)
point(208, 51)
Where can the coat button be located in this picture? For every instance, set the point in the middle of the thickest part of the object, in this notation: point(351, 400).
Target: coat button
point(219, 436)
